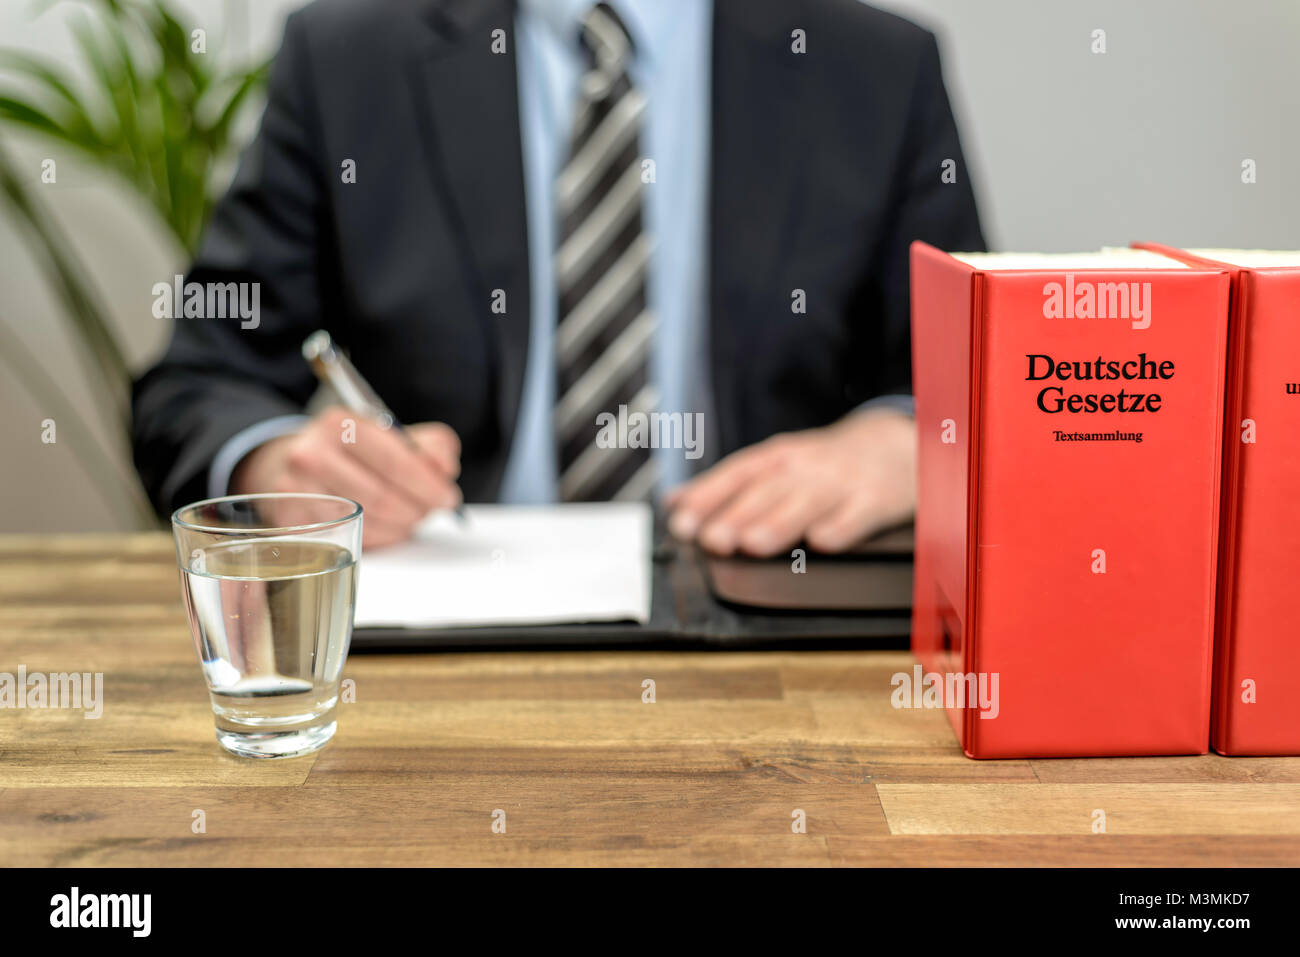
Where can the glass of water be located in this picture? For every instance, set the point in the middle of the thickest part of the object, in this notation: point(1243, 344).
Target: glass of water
point(270, 586)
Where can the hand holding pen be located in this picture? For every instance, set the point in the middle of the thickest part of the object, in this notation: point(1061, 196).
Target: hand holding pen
point(336, 370)
point(357, 450)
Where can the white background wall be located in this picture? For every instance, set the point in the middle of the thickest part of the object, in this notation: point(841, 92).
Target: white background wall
point(1075, 150)
point(1068, 150)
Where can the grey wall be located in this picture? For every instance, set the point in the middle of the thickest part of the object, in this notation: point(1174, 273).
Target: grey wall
point(1074, 150)
point(1068, 150)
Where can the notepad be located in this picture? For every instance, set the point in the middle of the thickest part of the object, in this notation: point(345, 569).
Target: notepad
point(513, 565)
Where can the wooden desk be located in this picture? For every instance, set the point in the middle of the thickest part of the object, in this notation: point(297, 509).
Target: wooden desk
point(586, 773)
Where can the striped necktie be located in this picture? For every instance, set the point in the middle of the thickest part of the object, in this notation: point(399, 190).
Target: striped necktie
point(605, 329)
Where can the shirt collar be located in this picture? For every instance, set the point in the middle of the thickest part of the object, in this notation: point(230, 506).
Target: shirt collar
point(650, 22)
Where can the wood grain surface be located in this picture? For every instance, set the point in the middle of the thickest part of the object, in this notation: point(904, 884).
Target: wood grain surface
point(712, 773)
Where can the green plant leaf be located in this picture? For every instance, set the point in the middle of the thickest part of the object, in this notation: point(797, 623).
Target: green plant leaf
point(24, 63)
point(162, 120)
point(246, 84)
point(29, 116)
point(77, 126)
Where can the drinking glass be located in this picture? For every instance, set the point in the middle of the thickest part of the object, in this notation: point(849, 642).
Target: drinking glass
point(270, 586)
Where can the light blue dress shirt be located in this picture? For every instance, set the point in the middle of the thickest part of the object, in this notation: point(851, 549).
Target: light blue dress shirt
point(672, 67)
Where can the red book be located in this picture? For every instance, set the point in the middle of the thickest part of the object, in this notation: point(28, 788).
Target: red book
point(1257, 652)
point(1069, 410)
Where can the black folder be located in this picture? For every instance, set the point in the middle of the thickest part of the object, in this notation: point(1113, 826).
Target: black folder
point(860, 599)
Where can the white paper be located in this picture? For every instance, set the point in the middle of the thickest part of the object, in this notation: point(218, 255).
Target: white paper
point(512, 565)
point(1109, 257)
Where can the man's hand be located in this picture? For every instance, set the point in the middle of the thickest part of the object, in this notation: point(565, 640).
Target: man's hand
point(831, 487)
point(395, 484)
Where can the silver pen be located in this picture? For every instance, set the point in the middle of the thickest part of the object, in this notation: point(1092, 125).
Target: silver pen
point(335, 370)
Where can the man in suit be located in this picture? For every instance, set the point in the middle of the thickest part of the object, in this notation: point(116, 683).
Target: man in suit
point(528, 221)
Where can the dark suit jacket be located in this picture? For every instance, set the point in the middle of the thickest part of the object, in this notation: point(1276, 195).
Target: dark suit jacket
point(825, 166)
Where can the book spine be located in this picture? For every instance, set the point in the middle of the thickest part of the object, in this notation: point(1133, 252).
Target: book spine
point(1257, 711)
point(944, 313)
point(1229, 513)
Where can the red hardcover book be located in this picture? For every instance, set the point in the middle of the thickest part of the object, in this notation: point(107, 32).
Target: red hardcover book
point(1069, 410)
point(1257, 652)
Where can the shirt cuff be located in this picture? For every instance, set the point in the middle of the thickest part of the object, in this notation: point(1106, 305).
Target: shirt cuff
point(241, 443)
point(900, 403)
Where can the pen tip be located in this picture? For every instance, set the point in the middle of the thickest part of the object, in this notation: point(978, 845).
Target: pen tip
point(316, 344)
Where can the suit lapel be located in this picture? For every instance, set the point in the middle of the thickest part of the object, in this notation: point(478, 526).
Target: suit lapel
point(468, 100)
point(755, 183)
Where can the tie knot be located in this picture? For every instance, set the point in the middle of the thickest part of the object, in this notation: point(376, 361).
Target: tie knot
point(608, 47)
